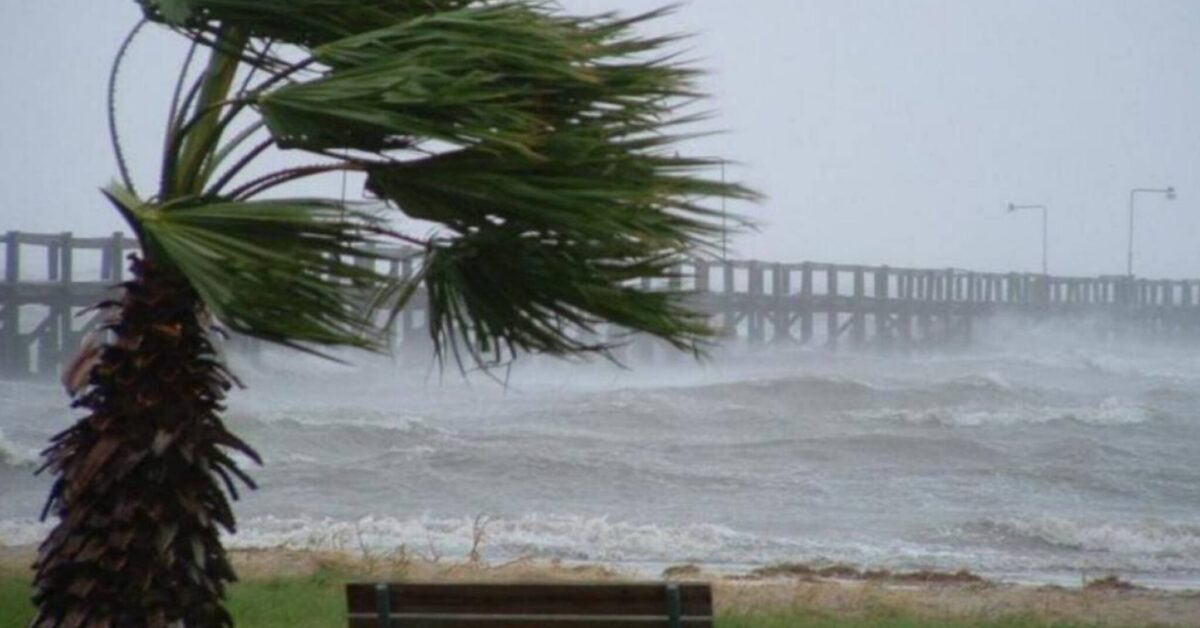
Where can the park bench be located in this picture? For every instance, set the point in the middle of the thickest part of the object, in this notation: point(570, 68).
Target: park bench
point(529, 605)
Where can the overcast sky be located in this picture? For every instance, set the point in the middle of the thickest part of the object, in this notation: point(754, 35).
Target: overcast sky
point(882, 132)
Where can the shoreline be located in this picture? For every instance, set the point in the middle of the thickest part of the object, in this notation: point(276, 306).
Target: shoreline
point(836, 591)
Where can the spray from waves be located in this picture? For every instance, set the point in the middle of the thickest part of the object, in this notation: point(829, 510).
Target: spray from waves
point(566, 537)
point(297, 441)
point(1011, 546)
point(12, 456)
point(816, 394)
point(599, 540)
point(1108, 412)
point(1146, 545)
point(996, 546)
point(18, 532)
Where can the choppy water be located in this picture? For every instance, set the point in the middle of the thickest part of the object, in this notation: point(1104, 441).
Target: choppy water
point(1037, 462)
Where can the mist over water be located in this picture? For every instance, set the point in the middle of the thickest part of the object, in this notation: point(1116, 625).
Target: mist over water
point(1036, 455)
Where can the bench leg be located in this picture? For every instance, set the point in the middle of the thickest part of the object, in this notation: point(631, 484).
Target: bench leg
point(383, 605)
point(674, 606)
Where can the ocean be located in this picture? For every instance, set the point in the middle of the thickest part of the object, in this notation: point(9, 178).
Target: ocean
point(1030, 458)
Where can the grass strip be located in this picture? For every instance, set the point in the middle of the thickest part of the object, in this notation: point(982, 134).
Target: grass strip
point(317, 601)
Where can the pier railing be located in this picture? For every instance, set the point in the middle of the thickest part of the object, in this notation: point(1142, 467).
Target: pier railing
point(48, 280)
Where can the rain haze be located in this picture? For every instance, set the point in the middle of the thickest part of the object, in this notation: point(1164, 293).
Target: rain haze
point(1032, 429)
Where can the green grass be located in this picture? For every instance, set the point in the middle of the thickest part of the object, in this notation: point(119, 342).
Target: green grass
point(15, 609)
point(817, 619)
point(316, 602)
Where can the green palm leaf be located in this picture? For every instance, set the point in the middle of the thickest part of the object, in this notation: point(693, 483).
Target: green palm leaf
point(507, 76)
point(507, 292)
point(279, 270)
point(302, 22)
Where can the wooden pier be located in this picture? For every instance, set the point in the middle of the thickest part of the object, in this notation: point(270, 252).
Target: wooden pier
point(49, 280)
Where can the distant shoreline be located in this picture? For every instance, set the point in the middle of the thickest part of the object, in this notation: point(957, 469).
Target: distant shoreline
point(837, 591)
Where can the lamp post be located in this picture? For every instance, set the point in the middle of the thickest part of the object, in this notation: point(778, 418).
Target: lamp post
point(1045, 237)
point(724, 219)
point(1169, 192)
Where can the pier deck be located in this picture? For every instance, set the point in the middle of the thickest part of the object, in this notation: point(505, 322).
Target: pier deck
point(49, 280)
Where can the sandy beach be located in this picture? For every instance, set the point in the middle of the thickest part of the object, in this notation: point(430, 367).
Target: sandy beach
point(828, 592)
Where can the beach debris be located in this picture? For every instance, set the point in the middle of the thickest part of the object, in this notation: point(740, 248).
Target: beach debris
point(848, 572)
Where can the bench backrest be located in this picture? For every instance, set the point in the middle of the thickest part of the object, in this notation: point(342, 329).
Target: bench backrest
point(529, 605)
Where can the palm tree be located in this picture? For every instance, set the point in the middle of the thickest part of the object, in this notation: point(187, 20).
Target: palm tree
point(540, 142)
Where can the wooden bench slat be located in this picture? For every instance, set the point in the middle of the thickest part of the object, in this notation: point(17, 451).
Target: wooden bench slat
point(596, 621)
point(532, 599)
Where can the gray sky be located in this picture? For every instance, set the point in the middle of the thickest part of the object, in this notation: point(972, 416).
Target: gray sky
point(882, 131)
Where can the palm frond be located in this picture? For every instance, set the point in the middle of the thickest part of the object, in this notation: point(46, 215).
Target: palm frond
point(300, 22)
point(584, 189)
point(461, 76)
point(505, 293)
point(280, 270)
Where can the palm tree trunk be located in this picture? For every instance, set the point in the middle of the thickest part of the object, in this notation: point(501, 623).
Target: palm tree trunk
point(142, 480)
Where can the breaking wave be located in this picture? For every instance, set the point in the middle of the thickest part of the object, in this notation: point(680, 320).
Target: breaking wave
point(1150, 545)
point(563, 537)
point(13, 456)
point(1111, 411)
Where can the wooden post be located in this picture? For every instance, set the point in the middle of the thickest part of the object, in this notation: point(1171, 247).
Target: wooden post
point(908, 288)
point(12, 257)
point(66, 245)
point(858, 333)
point(782, 316)
point(700, 296)
point(924, 317)
point(52, 259)
point(675, 278)
point(407, 324)
point(883, 313)
point(754, 316)
point(701, 277)
point(62, 336)
point(12, 351)
point(729, 315)
point(831, 296)
point(117, 272)
point(950, 296)
point(806, 303)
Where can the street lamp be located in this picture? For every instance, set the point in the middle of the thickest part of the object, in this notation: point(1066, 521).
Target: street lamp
point(1169, 192)
point(1045, 239)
